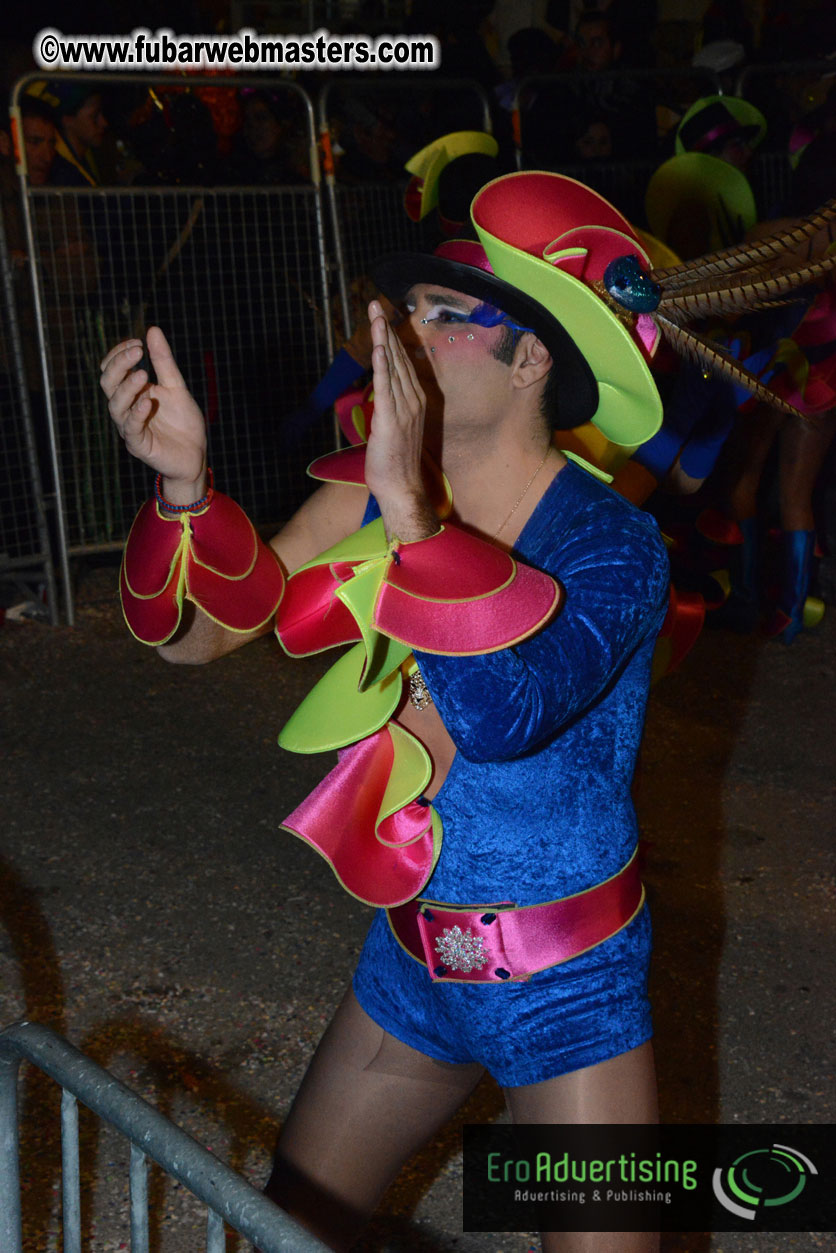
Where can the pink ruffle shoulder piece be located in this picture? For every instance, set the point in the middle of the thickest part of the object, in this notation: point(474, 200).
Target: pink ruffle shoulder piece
point(348, 465)
point(214, 558)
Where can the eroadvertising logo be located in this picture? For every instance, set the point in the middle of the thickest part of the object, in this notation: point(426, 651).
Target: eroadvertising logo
point(762, 1177)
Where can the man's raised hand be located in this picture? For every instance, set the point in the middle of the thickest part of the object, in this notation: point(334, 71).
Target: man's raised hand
point(160, 422)
point(393, 454)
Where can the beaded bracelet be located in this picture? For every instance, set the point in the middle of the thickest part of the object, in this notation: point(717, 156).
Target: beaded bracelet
point(194, 507)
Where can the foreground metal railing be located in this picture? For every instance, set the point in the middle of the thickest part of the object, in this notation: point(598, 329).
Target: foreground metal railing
point(228, 1197)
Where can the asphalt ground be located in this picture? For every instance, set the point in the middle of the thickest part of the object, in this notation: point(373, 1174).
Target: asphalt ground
point(151, 911)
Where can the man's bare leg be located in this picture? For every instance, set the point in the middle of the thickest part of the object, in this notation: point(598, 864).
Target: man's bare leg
point(365, 1105)
point(621, 1090)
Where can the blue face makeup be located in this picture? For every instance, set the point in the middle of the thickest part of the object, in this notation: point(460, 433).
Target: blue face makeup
point(488, 316)
point(483, 314)
point(445, 316)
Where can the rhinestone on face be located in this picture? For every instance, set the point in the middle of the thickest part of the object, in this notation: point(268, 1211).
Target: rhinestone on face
point(461, 950)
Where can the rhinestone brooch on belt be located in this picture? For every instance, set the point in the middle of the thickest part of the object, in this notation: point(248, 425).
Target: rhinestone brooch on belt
point(461, 950)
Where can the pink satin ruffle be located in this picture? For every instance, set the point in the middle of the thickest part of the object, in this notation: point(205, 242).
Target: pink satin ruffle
point(451, 593)
point(312, 618)
point(380, 861)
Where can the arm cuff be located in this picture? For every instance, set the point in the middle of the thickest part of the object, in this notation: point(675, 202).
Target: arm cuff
point(451, 593)
point(459, 595)
point(214, 558)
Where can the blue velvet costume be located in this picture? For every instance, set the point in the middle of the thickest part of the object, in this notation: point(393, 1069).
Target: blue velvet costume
point(537, 804)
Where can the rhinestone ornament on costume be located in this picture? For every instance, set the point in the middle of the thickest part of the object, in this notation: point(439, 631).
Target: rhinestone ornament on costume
point(461, 950)
point(419, 693)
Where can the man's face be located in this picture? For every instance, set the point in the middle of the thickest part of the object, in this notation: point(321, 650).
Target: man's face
point(39, 138)
point(596, 48)
point(86, 129)
point(453, 357)
point(376, 141)
point(263, 133)
point(736, 151)
point(595, 143)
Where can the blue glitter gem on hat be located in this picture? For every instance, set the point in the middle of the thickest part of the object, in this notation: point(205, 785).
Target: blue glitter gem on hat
point(631, 286)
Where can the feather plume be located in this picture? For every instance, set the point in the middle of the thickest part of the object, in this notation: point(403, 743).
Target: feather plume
point(750, 293)
point(758, 253)
point(712, 357)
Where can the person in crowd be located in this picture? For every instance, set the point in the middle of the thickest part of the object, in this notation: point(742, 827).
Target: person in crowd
point(633, 20)
point(37, 131)
point(69, 268)
point(805, 354)
point(368, 139)
point(461, 31)
point(595, 142)
point(81, 127)
point(598, 44)
point(625, 100)
point(272, 148)
point(68, 274)
point(533, 54)
point(700, 199)
point(40, 138)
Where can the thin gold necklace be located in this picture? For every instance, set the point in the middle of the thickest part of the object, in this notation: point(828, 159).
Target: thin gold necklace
point(521, 496)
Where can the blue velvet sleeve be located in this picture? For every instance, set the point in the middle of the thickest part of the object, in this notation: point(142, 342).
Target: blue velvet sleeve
point(613, 568)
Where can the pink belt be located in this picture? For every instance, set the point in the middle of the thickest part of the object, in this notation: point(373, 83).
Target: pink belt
point(493, 943)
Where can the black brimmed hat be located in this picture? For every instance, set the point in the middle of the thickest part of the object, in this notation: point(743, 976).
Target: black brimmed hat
point(546, 241)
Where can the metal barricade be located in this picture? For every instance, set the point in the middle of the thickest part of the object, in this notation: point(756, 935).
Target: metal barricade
point(369, 221)
point(227, 1196)
point(365, 198)
point(25, 552)
point(237, 278)
point(770, 175)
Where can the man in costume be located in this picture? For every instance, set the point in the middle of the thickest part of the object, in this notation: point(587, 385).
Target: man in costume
point(503, 606)
point(700, 198)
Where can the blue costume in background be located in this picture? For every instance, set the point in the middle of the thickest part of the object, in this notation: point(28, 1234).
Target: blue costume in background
point(537, 802)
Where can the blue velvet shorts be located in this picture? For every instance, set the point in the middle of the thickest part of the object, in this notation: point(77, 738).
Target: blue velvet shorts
point(576, 1014)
